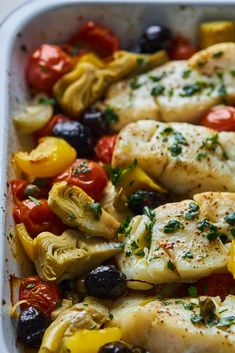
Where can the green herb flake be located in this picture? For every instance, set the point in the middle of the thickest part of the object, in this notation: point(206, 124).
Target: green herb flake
point(172, 226)
point(82, 168)
point(170, 92)
point(189, 306)
point(170, 265)
point(175, 149)
point(230, 219)
point(157, 90)
point(218, 54)
point(192, 291)
point(195, 319)
point(201, 155)
point(187, 255)
point(222, 92)
point(34, 200)
point(192, 212)
point(157, 78)
point(226, 321)
point(96, 209)
point(30, 286)
point(211, 142)
point(134, 84)
point(140, 253)
point(58, 304)
point(125, 227)
point(140, 61)
point(190, 90)
point(111, 116)
point(232, 72)
point(47, 101)
point(150, 213)
point(110, 316)
point(186, 73)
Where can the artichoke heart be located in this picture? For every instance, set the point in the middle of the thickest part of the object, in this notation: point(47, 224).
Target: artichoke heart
point(89, 80)
point(78, 210)
point(70, 255)
point(89, 315)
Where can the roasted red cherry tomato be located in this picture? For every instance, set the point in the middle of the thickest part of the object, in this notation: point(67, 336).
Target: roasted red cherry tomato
point(45, 66)
point(104, 148)
point(96, 37)
point(47, 130)
point(216, 285)
point(17, 188)
point(221, 118)
point(37, 217)
point(181, 49)
point(40, 294)
point(87, 175)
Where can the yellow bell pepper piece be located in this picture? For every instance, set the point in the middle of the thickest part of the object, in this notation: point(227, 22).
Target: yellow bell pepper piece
point(51, 157)
point(25, 240)
point(231, 261)
point(89, 341)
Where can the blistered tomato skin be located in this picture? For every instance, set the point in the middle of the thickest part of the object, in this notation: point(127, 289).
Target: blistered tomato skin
point(31, 326)
point(181, 49)
point(105, 147)
point(45, 66)
point(106, 282)
point(88, 175)
point(220, 118)
point(155, 38)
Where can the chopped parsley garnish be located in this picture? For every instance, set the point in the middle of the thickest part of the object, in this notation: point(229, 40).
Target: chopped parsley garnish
point(211, 142)
point(170, 265)
point(192, 291)
point(220, 75)
point(34, 200)
point(190, 90)
point(186, 73)
point(82, 168)
point(139, 252)
point(192, 212)
point(218, 54)
point(230, 219)
point(167, 131)
point(117, 172)
point(170, 92)
point(210, 231)
point(30, 285)
point(222, 92)
point(157, 78)
point(232, 72)
point(157, 90)
point(201, 155)
point(111, 116)
point(150, 213)
point(134, 84)
point(172, 226)
point(189, 306)
point(175, 149)
point(96, 209)
point(46, 101)
point(58, 304)
point(125, 227)
point(196, 318)
point(179, 140)
point(226, 321)
point(140, 61)
point(187, 255)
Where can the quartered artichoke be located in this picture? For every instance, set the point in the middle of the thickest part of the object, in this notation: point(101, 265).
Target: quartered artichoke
point(89, 315)
point(90, 78)
point(78, 210)
point(70, 255)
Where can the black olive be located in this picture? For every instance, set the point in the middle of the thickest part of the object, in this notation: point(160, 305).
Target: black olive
point(95, 118)
point(155, 38)
point(77, 135)
point(115, 347)
point(31, 327)
point(31, 190)
point(106, 282)
point(142, 198)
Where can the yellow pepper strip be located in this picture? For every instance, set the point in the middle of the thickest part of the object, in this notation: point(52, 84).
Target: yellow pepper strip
point(51, 157)
point(25, 240)
point(89, 341)
point(231, 261)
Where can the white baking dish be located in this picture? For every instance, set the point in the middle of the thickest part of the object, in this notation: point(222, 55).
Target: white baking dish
point(43, 21)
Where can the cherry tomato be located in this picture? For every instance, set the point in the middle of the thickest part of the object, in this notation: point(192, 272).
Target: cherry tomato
point(45, 66)
point(37, 217)
point(221, 118)
point(97, 38)
point(87, 175)
point(40, 294)
point(181, 49)
point(104, 148)
point(216, 285)
point(17, 188)
point(47, 130)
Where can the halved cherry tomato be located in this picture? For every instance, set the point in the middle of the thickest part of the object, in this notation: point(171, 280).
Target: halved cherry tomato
point(47, 130)
point(221, 118)
point(37, 217)
point(181, 49)
point(45, 66)
point(216, 285)
point(17, 189)
point(96, 37)
point(40, 294)
point(87, 175)
point(104, 148)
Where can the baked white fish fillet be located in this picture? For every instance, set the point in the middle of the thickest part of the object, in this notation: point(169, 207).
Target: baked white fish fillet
point(165, 326)
point(180, 241)
point(184, 158)
point(177, 91)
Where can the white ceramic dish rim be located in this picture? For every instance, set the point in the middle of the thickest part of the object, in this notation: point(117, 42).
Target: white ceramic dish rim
point(8, 29)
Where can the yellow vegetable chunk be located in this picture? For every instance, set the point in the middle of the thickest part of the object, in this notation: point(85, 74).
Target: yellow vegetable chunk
point(216, 32)
point(51, 157)
point(231, 262)
point(89, 341)
point(25, 240)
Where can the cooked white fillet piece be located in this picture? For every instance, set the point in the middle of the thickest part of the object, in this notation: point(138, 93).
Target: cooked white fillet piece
point(179, 242)
point(165, 326)
point(185, 158)
point(177, 91)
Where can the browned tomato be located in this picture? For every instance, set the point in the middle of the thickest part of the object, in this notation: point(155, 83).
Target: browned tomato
point(87, 175)
point(181, 49)
point(104, 148)
point(221, 118)
point(17, 188)
point(216, 285)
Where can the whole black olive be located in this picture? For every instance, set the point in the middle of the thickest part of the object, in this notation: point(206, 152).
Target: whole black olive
point(31, 190)
point(95, 118)
point(106, 282)
point(155, 38)
point(115, 347)
point(77, 135)
point(142, 198)
point(31, 326)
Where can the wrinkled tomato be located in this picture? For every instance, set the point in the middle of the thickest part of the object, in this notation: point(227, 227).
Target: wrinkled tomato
point(97, 38)
point(47, 130)
point(216, 285)
point(104, 148)
point(17, 189)
point(40, 294)
point(87, 175)
point(45, 66)
point(221, 118)
point(181, 49)
point(37, 217)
